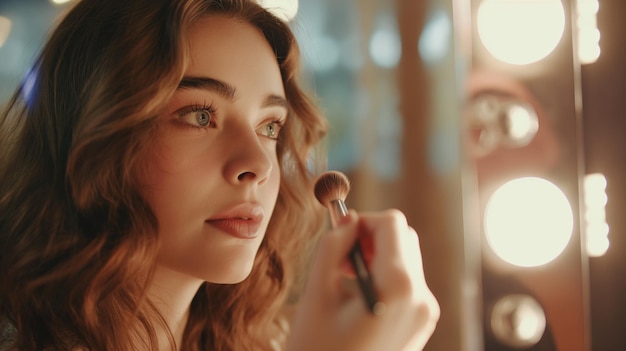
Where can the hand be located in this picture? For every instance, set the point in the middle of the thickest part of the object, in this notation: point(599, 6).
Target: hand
point(333, 316)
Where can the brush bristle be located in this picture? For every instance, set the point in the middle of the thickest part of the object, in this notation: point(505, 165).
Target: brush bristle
point(331, 185)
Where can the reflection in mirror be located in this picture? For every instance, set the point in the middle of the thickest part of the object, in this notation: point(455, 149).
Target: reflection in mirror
point(496, 120)
point(523, 117)
point(517, 321)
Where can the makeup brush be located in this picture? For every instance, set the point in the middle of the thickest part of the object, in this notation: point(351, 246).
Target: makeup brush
point(331, 190)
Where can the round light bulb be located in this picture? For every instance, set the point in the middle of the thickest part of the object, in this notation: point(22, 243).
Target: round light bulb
point(528, 222)
point(518, 321)
point(520, 32)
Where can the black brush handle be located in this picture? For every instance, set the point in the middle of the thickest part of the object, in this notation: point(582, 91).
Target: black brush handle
point(364, 278)
point(338, 209)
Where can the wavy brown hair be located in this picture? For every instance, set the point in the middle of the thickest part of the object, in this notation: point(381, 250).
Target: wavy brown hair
point(77, 241)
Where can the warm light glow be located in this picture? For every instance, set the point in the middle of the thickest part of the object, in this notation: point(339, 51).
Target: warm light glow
point(528, 221)
point(518, 321)
point(5, 29)
point(498, 120)
point(520, 31)
point(597, 240)
point(60, 2)
point(588, 32)
point(596, 227)
point(521, 124)
point(283, 9)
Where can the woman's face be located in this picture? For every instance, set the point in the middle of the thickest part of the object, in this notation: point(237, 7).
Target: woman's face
point(213, 176)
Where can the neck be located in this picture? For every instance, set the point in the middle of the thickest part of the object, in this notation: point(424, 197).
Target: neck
point(171, 292)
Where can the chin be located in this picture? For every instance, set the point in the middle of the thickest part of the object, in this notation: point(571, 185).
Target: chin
point(233, 275)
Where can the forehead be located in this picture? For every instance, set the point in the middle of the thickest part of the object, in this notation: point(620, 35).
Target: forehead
point(219, 36)
point(232, 49)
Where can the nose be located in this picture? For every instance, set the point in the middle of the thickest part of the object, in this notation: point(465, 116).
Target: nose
point(250, 159)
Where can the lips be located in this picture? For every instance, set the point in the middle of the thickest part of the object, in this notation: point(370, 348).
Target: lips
point(242, 221)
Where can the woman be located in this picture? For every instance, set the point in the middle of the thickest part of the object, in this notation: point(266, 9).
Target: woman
point(156, 192)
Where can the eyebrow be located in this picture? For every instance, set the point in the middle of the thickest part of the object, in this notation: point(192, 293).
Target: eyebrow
point(226, 90)
point(211, 84)
point(276, 100)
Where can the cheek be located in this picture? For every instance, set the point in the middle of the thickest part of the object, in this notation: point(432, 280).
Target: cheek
point(270, 189)
point(145, 172)
point(165, 162)
point(275, 177)
point(161, 176)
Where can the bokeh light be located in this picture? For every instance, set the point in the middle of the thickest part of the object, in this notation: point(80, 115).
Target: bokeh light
point(60, 2)
point(518, 321)
point(5, 29)
point(520, 32)
point(384, 46)
point(588, 32)
point(528, 221)
point(283, 9)
point(434, 42)
point(596, 227)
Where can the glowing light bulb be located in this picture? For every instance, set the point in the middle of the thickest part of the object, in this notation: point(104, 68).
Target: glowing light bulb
point(521, 124)
point(528, 221)
point(501, 120)
point(5, 29)
point(518, 321)
point(588, 32)
point(520, 32)
point(283, 9)
point(596, 227)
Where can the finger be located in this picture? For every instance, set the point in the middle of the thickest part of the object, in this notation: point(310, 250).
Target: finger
point(385, 231)
point(397, 262)
point(333, 247)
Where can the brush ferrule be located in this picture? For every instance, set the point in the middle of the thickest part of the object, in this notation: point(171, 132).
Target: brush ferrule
point(338, 210)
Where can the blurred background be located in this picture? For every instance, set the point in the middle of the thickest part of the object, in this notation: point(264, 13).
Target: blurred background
point(495, 125)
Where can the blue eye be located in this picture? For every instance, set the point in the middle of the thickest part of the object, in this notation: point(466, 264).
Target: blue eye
point(197, 116)
point(202, 117)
